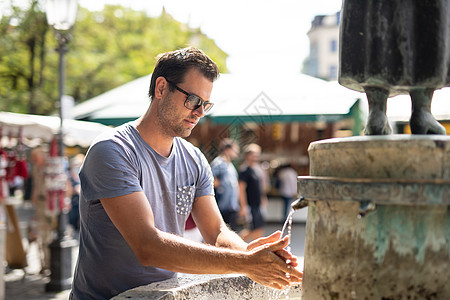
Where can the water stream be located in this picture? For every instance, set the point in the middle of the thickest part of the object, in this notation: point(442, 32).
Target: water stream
point(288, 224)
point(273, 294)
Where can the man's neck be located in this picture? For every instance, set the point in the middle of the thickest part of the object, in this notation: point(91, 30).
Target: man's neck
point(251, 164)
point(225, 157)
point(154, 136)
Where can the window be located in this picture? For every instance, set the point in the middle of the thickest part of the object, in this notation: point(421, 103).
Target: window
point(333, 73)
point(313, 50)
point(333, 46)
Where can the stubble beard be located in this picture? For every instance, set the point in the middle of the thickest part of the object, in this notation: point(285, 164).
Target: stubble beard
point(171, 122)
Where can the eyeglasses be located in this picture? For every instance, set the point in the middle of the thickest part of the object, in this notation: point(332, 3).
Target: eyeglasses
point(192, 101)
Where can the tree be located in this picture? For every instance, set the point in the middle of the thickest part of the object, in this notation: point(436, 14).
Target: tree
point(108, 48)
point(22, 59)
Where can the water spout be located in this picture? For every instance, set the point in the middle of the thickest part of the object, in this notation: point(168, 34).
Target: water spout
point(299, 203)
point(365, 207)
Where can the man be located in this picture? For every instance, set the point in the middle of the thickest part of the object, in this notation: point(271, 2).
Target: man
point(226, 185)
point(251, 192)
point(74, 191)
point(140, 182)
point(44, 221)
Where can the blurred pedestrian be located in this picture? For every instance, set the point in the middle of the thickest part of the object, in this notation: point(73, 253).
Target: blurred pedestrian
point(74, 178)
point(226, 186)
point(251, 194)
point(287, 187)
point(44, 222)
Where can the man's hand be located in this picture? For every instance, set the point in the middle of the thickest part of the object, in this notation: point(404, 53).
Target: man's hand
point(283, 253)
point(270, 264)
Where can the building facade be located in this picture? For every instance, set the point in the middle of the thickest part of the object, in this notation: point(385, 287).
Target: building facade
point(323, 60)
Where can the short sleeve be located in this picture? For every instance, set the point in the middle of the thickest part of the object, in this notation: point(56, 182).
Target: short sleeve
point(109, 170)
point(206, 180)
point(243, 175)
point(217, 169)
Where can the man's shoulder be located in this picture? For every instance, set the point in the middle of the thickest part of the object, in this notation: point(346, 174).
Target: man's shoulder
point(218, 166)
point(217, 161)
point(243, 168)
point(244, 171)
point(118, 139)
point(111, 134)
point(187, 147)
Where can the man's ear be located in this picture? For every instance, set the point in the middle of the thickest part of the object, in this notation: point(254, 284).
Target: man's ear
point(160, 87)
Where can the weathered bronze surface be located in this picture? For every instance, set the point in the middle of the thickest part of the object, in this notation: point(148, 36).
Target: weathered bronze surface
point(396, 47)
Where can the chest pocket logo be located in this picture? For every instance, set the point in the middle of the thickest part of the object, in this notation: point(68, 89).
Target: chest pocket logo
point(185, 197)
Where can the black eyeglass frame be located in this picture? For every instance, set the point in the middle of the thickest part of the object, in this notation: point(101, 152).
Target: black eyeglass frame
point(207, 105)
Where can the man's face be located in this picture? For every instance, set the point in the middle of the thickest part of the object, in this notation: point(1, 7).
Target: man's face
point(253, 157)
point(173, 115)
point(234, 151)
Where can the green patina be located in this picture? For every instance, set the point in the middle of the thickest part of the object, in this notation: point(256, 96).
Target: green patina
point(408, 230)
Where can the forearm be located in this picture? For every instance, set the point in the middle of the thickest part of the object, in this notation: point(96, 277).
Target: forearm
point(229, 239)
point(264, 263)
point(242, 197)
point(243, 200)
point(261, 264)
point(171, 252)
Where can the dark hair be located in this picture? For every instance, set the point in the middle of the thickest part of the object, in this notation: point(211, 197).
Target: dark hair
point(175, 64)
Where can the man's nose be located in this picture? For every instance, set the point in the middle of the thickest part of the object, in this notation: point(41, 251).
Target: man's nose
point(200, 111)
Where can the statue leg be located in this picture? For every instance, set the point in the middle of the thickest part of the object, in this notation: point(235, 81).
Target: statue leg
point(377, 122)
point(422, 121)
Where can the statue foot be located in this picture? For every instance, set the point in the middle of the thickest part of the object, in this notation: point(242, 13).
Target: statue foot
point(423, 122)
point(377, 124)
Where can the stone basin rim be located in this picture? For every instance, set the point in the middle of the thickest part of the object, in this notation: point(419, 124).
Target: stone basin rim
point(387, 138)
point(418, 192)
point(436, 181)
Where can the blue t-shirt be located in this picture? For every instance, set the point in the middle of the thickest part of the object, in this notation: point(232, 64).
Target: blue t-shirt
point(118, 163)
point(227, 193)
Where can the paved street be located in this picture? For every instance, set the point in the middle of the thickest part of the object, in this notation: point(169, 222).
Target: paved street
point(20, 286)
point(28, 283)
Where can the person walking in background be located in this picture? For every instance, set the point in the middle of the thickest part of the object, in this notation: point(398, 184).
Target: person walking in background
point(251, 194)
point(44, 222)
point(75, 188)
point(226, 186)
point(287, 186)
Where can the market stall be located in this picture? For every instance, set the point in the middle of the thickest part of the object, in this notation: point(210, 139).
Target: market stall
point(19, 133)
point(36, 129)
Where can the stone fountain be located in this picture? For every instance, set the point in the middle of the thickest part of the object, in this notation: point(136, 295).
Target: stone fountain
point(378, 222)
point(207, 287)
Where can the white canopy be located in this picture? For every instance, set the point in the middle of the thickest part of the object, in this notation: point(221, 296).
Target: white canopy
point(129, 100)
point(257, 94)
point(291, 95)
point(233, 95)
point(44, 127)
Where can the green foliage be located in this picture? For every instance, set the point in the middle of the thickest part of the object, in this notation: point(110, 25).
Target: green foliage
point(22, 51)
point(108, 48)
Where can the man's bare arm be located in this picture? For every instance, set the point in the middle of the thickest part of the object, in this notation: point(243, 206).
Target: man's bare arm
point(133, 217)
point(209, 221)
